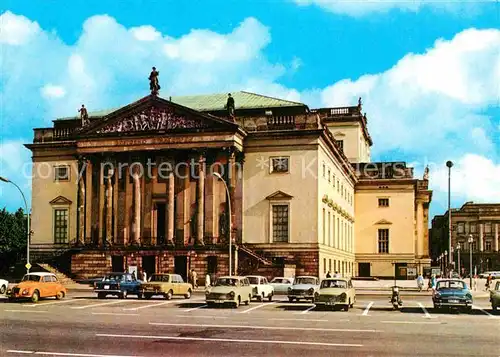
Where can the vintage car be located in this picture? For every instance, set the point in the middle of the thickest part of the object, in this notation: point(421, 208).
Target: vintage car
point(495, 296)
point(260, 287)
point(118, 284)
point(4, 284)
point(335, 292)
point(38, 285)
point(281, 285)
point(452, 293)
point(231, 290)
point(303, 288)
point(166, 285)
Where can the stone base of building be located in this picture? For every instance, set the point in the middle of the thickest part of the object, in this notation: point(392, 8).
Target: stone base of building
point(391, 266)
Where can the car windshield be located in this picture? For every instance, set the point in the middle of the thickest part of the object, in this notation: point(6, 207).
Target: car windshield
point(31, 277)
point(497, 287)
point(162, 278)
point(311, 281)
point(451, 284)
point(253, 279)
point(341, 284)
point(113, 277)
point(226, 282)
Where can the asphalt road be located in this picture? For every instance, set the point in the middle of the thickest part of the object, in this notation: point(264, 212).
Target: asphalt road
point(86, 327)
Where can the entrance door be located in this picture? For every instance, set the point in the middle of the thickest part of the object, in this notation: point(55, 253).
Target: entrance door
point(364, 270)
point(117, 265)
point(401, 270)
point(180, 266)
point(212, 265)
point(149, 265)
point(160, 222)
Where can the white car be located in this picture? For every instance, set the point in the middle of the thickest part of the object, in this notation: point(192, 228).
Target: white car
point(261, 289)
point(281, 285)
point(4, 284)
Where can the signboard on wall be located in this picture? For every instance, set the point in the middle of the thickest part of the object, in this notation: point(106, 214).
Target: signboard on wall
point(411, 272)
point(132, 269)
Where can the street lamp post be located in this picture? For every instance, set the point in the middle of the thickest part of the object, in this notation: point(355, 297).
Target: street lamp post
point(446, 262)
point(449, 164)
point(218, 175)
point(28, 265)
point(458, 259)
point(470, 240)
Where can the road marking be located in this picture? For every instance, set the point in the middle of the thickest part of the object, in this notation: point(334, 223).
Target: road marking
point(96, 305)
point(64, 354)
point(262, 327)
point(486, 312)
point(306, 310)
point(151, 305)
point(313, 320)
point(113, 313)
point(411, 322)
point(55, 302)
point(202, 316)
point(257, 307)
point(233, 340)
point(30, 311)
point(427, 315)
point(365, 313)
point(195, 308)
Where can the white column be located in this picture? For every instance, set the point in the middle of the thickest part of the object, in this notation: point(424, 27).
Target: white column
point(420, 229)
point(481, 233)
point(496, 237)
point(137, 208)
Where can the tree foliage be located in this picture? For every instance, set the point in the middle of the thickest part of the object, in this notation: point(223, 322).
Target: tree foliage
point(13, 231)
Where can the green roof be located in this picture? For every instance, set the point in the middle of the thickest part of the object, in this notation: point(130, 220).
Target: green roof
point(215, 102)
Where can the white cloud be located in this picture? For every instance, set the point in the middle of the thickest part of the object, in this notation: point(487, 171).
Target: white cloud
point(145, 33)
point(52, 91)
point(358, 8)
point(431, 103)
point(473, 178)
point(16, 30)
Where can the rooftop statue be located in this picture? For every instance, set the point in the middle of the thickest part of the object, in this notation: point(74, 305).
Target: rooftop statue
point(230, 106)
point(84, 116)
point(154, 84)
point(426, 173)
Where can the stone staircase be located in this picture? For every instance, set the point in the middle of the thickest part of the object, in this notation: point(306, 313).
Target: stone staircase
point(63, 278)
point(254, 255)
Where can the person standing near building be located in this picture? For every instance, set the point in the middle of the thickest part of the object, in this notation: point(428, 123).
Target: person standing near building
point(194, 278)
point(207, 281)
point(144, 276)
point(328, 275)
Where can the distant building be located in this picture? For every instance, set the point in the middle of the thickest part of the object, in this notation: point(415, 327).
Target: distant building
point(479, 220)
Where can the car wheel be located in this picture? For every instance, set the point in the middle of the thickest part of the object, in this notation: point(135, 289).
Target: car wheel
point(60, 295)
point(35, 297)
point(260, 297)
point(249, 299)
point(3, 289)
point(169, 295)
point(270, 297)
point(188, 294)
point(101, 295)
point(346, 307)
point(468, 309)
point(494, 307)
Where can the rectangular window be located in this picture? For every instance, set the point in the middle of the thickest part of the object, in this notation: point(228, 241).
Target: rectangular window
point(383, 241)
point(487, 227)
point(338, 185)
point(324, 170)
point(280, 164)
point(383, 202)
point(333, 180)
point(340, 144)
point(473, 227)
point(280, 223)
point(61, 173)
point(487, 246)
point(60, 226)
point(329, 177)
point(461, 227)
point(324, 265)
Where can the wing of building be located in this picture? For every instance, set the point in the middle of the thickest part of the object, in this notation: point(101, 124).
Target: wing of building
point(138, 187)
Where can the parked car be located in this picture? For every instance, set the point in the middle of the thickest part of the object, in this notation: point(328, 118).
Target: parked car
point(303, 288)
point(261, 289)
point(495, 296)
point(281, 285)
point(118, 284)
point(231, 290)
point(37, 285)
point(452, 293)
point(166, 285)
point(4, 284)
point(335, 292)
point(494, 275)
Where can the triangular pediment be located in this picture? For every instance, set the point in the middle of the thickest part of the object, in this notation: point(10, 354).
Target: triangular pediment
point(154, 114)
point(60, 200)
point(279, 195)
point(383, 221)
point(339, 134)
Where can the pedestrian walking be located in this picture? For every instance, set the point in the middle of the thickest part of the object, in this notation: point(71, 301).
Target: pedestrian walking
point(144, 276)
point(194, 278)
point(328, 275)
point(488, 282)
point(420, 282)
point(207, 281)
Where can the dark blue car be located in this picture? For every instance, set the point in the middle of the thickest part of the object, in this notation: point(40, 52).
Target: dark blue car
point(452, 293)
point(118, 284)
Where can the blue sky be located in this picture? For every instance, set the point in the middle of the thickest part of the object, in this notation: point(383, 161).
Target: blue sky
point(428, 72)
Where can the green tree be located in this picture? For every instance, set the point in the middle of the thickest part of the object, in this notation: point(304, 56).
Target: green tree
point(13, 231)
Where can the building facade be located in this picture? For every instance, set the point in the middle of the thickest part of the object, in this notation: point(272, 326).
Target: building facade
point(162, 185)
point(477, 220)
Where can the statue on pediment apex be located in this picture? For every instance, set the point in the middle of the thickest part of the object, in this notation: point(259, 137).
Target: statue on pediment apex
point(84, 115)
point(426, 173)
point(154, 84)
point(360, 104)
point(230, 106)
